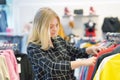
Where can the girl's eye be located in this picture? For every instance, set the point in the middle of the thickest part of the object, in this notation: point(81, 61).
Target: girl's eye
point(56, 24)
point(51, 26)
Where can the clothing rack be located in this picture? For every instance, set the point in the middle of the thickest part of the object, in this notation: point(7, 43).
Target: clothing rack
point(4, 46)
point(18, 66)
point(113, 37)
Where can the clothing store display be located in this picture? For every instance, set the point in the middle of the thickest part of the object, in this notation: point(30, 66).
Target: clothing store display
point(43, 56)
point(91, 68)
point(110, 69)
point(116, 50)
point(81, 73)
point(86, 72)
point(11, 64)
point(16, 39)
point(17, 64)
point(90, 29)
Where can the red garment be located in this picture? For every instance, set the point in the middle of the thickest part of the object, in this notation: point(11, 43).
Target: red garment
point(91, 68)
point(90, 33)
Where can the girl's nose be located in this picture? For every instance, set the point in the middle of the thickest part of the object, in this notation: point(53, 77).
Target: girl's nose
point(55, 28)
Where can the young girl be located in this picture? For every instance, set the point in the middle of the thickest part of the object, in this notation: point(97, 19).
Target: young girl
point(51, 56)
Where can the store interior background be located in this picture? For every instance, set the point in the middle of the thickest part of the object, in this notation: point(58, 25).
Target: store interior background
point(20, 12)
point(23, 11)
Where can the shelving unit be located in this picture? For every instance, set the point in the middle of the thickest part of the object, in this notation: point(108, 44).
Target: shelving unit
point(79, 21)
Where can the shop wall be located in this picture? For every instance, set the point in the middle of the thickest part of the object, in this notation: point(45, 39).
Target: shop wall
point(24, 10)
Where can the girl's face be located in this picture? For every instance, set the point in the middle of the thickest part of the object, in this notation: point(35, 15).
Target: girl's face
point(54, 28)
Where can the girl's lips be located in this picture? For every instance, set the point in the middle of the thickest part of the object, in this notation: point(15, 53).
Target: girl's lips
point(53, 33)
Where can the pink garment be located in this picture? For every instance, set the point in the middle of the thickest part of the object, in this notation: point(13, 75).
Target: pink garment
point(11, 63)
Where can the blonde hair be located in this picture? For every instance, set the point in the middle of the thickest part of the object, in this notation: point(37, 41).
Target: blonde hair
point(41, 27)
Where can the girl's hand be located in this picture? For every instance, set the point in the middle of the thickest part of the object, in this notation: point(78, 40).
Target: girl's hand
point(89, 61)
point(94, 50)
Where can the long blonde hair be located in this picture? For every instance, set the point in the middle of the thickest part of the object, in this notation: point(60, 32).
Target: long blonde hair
point(41, 27)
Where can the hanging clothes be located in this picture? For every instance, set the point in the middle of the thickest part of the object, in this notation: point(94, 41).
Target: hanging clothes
point(4, 75)
point(25, 67)
point(91, 68)
point(99, 60)
point(11, 64)
point(90, 29)
point(111, 24)
point(3, 20)
point(109, 68)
